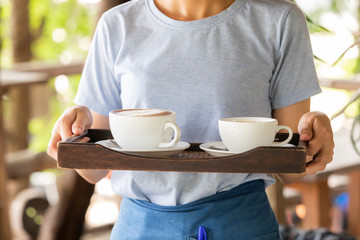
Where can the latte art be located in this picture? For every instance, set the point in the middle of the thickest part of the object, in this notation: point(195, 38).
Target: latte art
point(143, 112)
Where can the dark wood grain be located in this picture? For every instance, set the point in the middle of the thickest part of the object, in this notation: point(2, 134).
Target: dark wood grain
point(260, 160)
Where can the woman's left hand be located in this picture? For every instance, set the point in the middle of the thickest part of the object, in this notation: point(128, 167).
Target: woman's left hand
point(316, 133)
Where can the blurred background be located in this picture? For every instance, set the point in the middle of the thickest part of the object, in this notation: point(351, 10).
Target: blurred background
point(43, 45)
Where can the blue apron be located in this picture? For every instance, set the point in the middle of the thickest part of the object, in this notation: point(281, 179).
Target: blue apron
point(243, 212)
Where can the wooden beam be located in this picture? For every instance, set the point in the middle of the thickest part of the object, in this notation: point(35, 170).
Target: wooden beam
point(21, 164)
point(11, 78)
point(50, 69)
point(346, 84)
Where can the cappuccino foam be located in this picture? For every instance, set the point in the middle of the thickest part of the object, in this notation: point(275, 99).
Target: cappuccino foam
point(143, 112)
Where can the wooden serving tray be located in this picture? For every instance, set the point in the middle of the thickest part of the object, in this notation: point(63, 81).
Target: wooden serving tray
point(72, 154)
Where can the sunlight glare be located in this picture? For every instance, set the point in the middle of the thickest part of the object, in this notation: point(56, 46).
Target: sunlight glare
point(66, 57)
point(300, 211)
point(89, 2)
point(101, 213)
point(103, 187)
point(59, 35)
point(59, 1)
point(309, 6)
point(61, 84)
point(84, 43)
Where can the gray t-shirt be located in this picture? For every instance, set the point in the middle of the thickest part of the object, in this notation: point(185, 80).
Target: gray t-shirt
point(245, 61)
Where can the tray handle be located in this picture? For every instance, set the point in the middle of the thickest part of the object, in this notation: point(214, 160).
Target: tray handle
point(283, 136)
point(94, 135)
point(76, 138)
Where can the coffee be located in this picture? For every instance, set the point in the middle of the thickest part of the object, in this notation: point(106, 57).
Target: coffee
point(248, 119)
point(244, 121)
point(143, 112)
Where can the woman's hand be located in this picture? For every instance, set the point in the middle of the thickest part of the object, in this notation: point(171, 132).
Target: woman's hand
point(74, 121)
point(316, 133)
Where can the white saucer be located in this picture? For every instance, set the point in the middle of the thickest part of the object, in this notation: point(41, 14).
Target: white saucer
point(159, 152)
point(217, 149)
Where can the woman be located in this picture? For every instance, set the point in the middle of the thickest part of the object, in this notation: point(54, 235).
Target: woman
point(205, 60)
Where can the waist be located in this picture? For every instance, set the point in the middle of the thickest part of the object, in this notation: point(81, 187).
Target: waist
point(245, 188)
point(178, 188)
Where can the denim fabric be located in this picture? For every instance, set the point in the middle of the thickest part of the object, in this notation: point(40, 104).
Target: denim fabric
point(240, 213)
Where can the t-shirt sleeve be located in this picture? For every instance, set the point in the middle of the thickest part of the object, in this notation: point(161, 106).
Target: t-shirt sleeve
point(294, 78)
point(99, 89)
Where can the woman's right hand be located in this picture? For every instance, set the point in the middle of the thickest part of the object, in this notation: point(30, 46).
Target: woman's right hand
point(74, 121)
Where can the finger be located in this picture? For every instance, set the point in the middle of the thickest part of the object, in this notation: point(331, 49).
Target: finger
point(82, 122)
point(309, 158)
point(325, 155)
point(312, 167)
point(74, 122)
point(52, 147)
point(85, 140)
point(321, 146)
point(323, 138)
point(315, 166)
point(319, 161)
point(305, 128)
point(306, 135)
point(313, 146)
point(65, 124)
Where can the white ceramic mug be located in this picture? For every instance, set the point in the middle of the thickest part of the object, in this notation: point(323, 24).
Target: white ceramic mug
point(240, 134)
point(137, 129)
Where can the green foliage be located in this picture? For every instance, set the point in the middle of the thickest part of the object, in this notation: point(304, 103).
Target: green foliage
point(76, 23)
point(70, 16)
point(5, 43)
point(338, 5)
point(45, 17)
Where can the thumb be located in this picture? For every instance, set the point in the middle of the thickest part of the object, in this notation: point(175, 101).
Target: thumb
point(305, 134)
point(83, 121)
point(77, 129)
point(305, 127)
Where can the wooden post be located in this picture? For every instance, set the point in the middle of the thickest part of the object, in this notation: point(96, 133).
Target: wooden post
point(17, 124)
point(316, 198)
point(5, 230)
point(354, 207)
point(20, 105)
point(277, 201)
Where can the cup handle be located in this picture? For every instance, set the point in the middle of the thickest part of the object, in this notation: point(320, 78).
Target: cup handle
point(278, 128)
point(177, 134)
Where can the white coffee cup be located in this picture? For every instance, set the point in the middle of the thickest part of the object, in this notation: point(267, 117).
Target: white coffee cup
point(240, 134)
point(138, 129)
